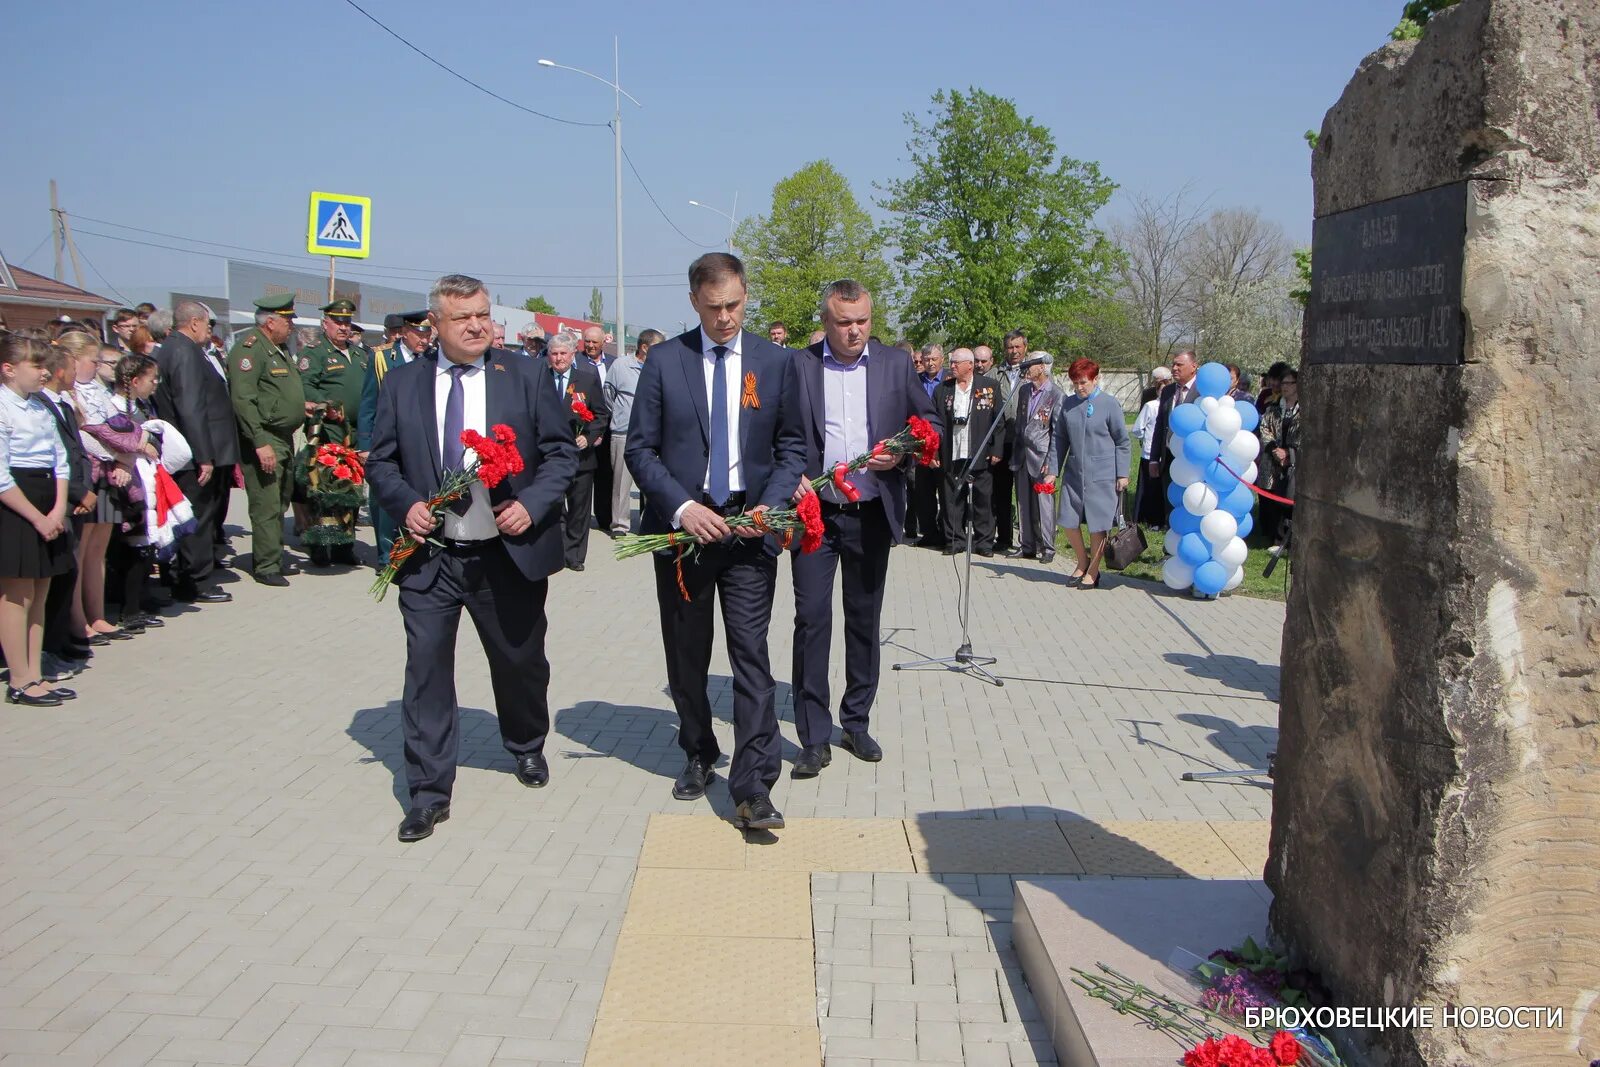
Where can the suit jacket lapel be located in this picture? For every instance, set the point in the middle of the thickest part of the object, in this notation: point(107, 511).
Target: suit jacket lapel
point(747, 363)
point(694, 377)
point(429, 407)
point(879, 389)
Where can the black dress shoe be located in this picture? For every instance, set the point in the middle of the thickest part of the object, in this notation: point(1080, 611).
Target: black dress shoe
point(574, 566)
point(1048, 557)
point(46, 699)
point(63, 692)
point(212, 596)
point(419, 822)
point(861, 745)
point(1017, 553)
point(146, 619)
point(290, 568)
point(128, 628)
point(533, 771)
point(811, 760)
point(757, 813)
point(691, 784)
point(951, 550)
point(986, 553)
point(277, 581)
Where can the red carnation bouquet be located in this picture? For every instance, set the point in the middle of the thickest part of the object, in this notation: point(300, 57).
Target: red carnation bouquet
point(495, 458)
point(1047, 488)
point(340, 462)
point(1234, 1051)
point(918, 438)
point(581, 412)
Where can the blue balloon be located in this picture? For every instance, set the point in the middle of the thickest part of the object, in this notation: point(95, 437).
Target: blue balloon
point(1201, 448)
point(1186, 419)
point(1219, 478)
point(1247, 523)
point(1213, 379)
point(1175, 495)
point(1183, 521)
point(1194, 550)
point(1249, 417)
point(1238, 502)
point(1210, 577)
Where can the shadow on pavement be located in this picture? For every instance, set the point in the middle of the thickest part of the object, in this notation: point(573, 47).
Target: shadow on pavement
point(1249, 745)
point(1235, 672)
point(379, 730)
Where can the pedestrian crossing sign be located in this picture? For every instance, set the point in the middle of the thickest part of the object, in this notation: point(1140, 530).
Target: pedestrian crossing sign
point(340, 225)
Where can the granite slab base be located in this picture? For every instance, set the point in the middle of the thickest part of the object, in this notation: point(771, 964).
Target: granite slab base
point(1133, 925)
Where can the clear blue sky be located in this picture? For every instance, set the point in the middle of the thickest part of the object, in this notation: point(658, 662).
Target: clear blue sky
point(214, 120)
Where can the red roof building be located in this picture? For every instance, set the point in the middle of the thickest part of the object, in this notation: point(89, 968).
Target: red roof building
point(29, 300)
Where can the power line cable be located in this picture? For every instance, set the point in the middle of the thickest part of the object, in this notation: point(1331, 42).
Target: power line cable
point(103, 278)
point(653, 200)
point(23, 262)
point(422, 272)
point(462, 77)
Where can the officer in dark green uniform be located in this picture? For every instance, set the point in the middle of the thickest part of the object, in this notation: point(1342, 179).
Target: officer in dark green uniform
point(333, 371)
point(269, 403)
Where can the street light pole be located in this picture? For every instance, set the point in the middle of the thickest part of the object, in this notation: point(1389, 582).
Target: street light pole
point(733, 220)
point(618, 93)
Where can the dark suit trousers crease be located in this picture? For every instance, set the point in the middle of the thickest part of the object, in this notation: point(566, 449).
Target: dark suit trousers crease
point(196, 552)
point(508, 612)
point(856, 545)
point(745, 577)
point(602, 485)
point(575, 517)
point(955, 507)
point(924, 500)
point(58, 602)
point(1004, 483)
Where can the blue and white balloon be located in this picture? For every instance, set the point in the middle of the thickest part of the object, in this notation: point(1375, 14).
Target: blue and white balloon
point(1219, 528)
point(1210, 577)
point(1249, 417)
point(1177, 574)
point(1193, 549)
point(1182, 522)
point(1186, 419)
point(1183, 472)
point(1213, 379)
point(1201, 448)
point(1200, 499)
point(1224, 422)
point(1232, 554)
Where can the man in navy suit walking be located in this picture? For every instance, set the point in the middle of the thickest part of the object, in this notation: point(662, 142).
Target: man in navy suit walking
point(853, 394)
point(500, 545)
point(715, 431)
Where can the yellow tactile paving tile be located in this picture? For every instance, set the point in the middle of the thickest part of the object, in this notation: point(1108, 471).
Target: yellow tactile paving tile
point(626, 1044)
point(989, 846)
point(765, 980)
point(1249, 841)
point(696, 842)
point(668, 902)
point(877, 845)
point(1153, 849)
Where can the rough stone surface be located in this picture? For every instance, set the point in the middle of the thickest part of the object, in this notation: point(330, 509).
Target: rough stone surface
point(1436, 827)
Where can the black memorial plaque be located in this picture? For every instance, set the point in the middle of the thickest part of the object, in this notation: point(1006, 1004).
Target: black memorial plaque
point(1386, 281)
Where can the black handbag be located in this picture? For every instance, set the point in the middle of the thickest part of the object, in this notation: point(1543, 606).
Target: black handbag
point(1125, 543)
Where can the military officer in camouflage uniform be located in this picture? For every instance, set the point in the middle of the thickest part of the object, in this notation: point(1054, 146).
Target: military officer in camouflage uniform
point(269, 403)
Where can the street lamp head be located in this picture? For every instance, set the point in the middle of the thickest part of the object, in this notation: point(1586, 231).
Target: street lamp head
point(696, 203)
point(547, 62)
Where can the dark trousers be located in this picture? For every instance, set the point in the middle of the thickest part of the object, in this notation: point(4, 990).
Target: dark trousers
point(745, 576)
point(924, 501)
point(910, 529)
point(197, 551)
point(1001, 496)
point(224, 480)
point(857, 545)
point(602, 485)
point(956, 502)
point(58, 603)
point(508, 611)
point(575, 519)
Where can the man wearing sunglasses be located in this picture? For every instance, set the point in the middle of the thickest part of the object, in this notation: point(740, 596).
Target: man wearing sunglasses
point(416, 338)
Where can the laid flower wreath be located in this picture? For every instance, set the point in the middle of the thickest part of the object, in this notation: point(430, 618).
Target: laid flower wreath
point(334, 480)
point(495, 459)
point(918, 438)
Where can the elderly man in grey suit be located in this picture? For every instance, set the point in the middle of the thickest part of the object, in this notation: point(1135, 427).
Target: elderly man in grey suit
point(1035, 402)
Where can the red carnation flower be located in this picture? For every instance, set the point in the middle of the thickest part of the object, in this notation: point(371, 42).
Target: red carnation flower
point(1207, 1053)
point(1285, 1049)
point(503, 433)
point(922, 430)
point(1047, 488)
point(344, 472)
point(809, 509)
point(582, 412)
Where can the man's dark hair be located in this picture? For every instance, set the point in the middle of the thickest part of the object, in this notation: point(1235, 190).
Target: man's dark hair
point(777, 324)
point(713, 267)
point(123, 315)
point(651, 337)
point(145, 308)
point(1013, 335)
point(1276, 371)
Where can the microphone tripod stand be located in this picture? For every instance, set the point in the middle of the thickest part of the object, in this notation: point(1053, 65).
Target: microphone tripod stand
point(964, 661)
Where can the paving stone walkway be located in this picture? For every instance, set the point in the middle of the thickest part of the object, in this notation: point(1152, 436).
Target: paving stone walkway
point(199, 865)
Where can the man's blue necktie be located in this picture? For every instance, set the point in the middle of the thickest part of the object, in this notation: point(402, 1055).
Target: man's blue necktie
point(455, 421)
point(561, 385)
point(717, 484)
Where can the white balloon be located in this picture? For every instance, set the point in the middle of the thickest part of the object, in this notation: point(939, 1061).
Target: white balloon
point(1219, 528)
point(1249, 474)
point(1235, 580)
point(1232, 554)
point(1177, 574)
point(1243, 446)
point(1224, 423)
point(1226, 401)
point(1208, 404)
point(1171, 543)
point(1200, 499)
point(1183, 472)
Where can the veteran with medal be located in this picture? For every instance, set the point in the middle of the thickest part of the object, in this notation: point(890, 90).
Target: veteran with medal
point(333, 372)
point(269, 403)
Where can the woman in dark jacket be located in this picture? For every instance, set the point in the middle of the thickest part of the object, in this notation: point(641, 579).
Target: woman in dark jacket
point(1280, 447)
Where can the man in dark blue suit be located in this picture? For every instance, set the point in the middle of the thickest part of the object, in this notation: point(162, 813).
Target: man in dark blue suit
point(715, 431)
point(500, 545)
point(853, 394)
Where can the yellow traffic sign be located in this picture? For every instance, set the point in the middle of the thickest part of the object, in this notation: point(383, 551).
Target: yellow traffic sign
point(340, 225)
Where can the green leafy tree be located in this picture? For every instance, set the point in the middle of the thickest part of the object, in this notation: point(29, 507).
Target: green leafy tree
point(597, 305)
point(995, 231)
point(1302, 277)
point(1415, 17)
point(815, 233)
point(538, 305)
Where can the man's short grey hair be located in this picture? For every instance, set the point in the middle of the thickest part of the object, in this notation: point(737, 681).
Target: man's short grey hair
point(847, 289)
point(189, 310)
point(562, 340)
point(159, 324)
point(930, 348)
point(263, 317)
point(453, 285)
point(962, 355)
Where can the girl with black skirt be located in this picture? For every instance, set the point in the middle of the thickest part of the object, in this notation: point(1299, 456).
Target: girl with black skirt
point(34, 548)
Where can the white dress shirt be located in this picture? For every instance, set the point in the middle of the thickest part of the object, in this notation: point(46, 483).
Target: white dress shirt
point(961, 408)
point(845, 432)
point(478, 523)
point(29, 438)
point(734, 389)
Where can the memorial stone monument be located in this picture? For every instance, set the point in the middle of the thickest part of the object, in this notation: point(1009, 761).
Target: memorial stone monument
point(1436, 826)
